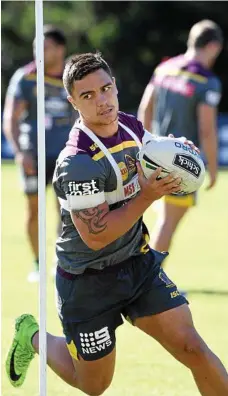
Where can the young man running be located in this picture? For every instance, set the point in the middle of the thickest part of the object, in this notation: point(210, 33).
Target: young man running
point(106, 268)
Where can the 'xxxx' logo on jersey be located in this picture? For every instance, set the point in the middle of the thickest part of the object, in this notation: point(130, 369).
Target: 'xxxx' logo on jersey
point(123, 170)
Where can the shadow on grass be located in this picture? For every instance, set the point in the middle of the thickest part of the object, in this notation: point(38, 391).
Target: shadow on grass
point(208, 292)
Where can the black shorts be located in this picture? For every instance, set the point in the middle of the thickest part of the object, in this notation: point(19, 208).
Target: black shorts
point(30, 182)
point(91, 305)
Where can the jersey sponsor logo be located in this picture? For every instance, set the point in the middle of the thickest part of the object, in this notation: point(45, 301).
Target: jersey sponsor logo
point(95, 342)
point(131, 188)
point(93, 147)
point(131, 163)
point(85, 187)
point(187, 163)
point(213, 98)
point(123, 170)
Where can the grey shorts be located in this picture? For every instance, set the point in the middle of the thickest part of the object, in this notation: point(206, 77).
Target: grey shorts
point(30, 182)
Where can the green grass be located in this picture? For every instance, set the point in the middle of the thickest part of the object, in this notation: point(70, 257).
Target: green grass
point(198, 263)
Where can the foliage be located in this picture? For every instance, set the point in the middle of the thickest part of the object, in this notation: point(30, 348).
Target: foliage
point(132, 35)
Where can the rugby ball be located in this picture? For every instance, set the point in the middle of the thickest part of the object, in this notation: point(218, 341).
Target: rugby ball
point(173, 155)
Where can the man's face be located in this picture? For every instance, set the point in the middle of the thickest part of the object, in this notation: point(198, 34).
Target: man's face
point(53, 53)
point(95, 97)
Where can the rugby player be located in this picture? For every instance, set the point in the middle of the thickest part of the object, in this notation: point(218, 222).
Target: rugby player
point(182, 98)
point(20, 126)
point(106, 269)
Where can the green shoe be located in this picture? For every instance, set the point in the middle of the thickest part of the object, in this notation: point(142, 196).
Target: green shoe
point(21, 352)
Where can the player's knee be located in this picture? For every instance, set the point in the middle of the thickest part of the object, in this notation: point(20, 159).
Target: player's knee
point(194, 351)
point(96, 389)
point(96, 392)
point(167, 227)
point(32, 221)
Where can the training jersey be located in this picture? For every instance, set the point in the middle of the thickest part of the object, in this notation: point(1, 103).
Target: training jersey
point(59, 114)
point(180, 86)
point(90, 171)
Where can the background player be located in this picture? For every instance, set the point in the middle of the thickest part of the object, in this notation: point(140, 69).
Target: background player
point(106, 267)
point(182, 98)
point(20, 125)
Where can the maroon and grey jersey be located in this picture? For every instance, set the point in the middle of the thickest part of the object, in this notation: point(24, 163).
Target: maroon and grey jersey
point(58, 111)
point(90, 171)
point(180, 86)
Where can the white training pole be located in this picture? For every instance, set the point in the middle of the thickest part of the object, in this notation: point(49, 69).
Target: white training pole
point(41, 193)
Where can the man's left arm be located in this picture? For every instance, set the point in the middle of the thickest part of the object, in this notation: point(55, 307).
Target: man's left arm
point(207, 125)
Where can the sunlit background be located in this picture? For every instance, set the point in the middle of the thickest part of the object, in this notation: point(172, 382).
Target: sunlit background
point(133, 37)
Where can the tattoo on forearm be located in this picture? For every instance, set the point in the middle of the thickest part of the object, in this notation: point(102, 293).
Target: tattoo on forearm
point(93, 218)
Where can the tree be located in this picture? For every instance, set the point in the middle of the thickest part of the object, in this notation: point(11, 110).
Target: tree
point(132, 35)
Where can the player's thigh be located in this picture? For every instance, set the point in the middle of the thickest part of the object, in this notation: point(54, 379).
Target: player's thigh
point(29, 186)
point(89, 319)
point(175, 207)
point(166, 327)
point(175, 331)
point(94, 377)
point(32, 205)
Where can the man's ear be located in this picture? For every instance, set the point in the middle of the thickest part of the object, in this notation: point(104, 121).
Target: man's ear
point(71, 100)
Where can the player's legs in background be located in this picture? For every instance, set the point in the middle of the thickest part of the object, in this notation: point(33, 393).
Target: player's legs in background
point(170, 211)
point(30, 189)
point(32, 232)
point(174, 330)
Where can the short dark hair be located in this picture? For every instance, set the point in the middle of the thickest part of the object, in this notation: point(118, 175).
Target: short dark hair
point(55, 34)
point(204, 32)
point(79, 66)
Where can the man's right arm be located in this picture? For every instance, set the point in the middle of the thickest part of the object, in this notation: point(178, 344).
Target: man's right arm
point(98, 226)
point(13, 110)
point(15, 104)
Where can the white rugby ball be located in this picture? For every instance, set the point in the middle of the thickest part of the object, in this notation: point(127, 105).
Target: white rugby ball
point(172, 155)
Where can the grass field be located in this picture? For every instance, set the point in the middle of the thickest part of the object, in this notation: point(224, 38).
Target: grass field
point(198, 263)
